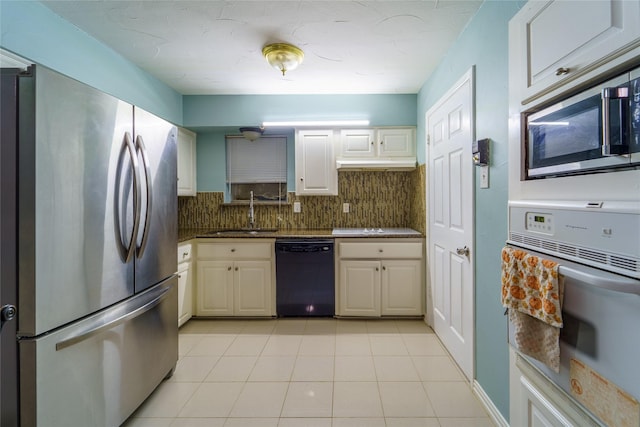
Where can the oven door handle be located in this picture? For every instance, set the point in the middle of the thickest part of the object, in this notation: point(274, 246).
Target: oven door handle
point(601, 279)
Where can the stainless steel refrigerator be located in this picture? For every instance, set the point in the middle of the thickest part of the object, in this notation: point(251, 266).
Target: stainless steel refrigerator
point(88, 253)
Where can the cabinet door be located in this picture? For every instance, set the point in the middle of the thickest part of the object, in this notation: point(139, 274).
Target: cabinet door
point(396, 142)
point(185, 293)
point(215, 288)
point(316, 172)
point(537, 409)
point(401, 290)
point(359, 288)
point(559, 40)
point(186, 163)
point(252, 288)
point(358, 143)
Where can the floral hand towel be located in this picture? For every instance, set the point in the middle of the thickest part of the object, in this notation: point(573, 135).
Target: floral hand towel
point(531, 289)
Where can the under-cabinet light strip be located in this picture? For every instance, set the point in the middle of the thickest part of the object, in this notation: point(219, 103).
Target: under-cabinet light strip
point(317, 123)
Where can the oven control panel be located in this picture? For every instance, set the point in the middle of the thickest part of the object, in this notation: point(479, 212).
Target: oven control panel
point(540, 222)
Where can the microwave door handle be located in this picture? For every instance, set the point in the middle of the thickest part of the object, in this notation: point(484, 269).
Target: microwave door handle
point(609, 93)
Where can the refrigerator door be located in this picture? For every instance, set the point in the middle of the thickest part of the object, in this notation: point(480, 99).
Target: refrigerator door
point(8, 243)
point(75, 207)
point(97, 371)
point(156, 254)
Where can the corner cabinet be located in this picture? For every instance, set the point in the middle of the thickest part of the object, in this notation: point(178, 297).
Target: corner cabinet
point(185, 283)
point(556, 42)
point(236, 278)
point(379, 277)
point(316, 172)
point(381, 142)
point(186, 163)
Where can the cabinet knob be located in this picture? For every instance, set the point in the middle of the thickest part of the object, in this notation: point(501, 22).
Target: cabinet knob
point(377, 269)
point(185, 254)
point(233, 249)
point(228, 268)
point(372, 142)
point(179, 276)
point(236, 268)
point(562, 71)
point(384, 268)
point(380, 250)
point(301, 179)
point(381, 142)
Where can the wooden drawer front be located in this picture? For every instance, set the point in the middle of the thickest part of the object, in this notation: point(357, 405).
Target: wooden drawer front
point(235, 250)
point(184, 252)
point(382, 250)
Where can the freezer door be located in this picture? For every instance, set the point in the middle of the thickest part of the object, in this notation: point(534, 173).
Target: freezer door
point(156, 255)
point(75, 202)
point(96, 372)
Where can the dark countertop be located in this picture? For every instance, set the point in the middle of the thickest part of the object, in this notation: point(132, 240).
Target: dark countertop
point(185, 234)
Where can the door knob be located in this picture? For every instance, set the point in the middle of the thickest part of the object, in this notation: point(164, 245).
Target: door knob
point(463, 251)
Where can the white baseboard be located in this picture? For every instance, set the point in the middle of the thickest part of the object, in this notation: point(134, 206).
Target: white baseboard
point(494, 414)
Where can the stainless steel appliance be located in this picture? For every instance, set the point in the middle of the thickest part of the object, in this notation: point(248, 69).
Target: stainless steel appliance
point(305, 280)
point(595, 130)
point(93, 197)
point(598, 248)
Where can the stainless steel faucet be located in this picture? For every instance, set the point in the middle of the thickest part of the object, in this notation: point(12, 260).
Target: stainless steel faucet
point(252, 219)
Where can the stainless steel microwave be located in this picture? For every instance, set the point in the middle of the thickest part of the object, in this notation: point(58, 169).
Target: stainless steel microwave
point(597, 130)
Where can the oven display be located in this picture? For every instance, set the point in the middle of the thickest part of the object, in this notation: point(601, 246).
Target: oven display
point(540, 222)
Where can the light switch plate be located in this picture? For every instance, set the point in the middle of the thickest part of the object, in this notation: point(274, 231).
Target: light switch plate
point(345, 207)
point(296, 207)
point(484, 176)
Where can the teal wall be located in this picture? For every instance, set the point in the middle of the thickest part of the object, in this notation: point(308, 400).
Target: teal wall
point(484, 44)
point(252, 110)
point(35, 33)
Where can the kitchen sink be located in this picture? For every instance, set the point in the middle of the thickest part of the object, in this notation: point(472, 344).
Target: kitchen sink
point(244, 231)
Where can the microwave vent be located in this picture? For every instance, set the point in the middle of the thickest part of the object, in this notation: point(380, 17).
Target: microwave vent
point(601, 259)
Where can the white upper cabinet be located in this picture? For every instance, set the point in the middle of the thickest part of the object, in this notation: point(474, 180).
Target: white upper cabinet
point(316, 172)
point(383, 143)
point(186, 162)
point(557, 42)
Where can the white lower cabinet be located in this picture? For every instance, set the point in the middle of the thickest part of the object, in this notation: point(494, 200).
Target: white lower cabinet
point(536, 402)
point(185, 284)
point(185, 293)
point(379, 278)
point(236, 278)
point(359, 288)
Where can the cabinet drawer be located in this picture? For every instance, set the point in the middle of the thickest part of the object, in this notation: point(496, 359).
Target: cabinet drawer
point(184, 252)
point(381, 250)
point(238, 250)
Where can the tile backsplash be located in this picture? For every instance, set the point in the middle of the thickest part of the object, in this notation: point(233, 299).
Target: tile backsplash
point(376, 199)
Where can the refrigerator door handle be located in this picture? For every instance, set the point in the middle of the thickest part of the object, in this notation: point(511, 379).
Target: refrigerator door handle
point(102, 325)
point(136, 196)
point(149, 189)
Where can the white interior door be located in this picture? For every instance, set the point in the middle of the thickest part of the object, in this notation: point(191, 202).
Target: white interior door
point(450, 132)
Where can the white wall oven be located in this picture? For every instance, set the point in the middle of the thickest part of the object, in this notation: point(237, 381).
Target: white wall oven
point(597, 246)
point(595, 130)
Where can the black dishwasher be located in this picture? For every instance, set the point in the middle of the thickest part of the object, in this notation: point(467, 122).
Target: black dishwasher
point(305, 277)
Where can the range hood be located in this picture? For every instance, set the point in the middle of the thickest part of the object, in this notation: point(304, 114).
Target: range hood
point(398, 164)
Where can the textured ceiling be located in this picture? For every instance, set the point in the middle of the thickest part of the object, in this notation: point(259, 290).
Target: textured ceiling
point(215, 47)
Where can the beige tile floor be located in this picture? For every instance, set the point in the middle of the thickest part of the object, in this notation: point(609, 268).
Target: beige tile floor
point(311, 373)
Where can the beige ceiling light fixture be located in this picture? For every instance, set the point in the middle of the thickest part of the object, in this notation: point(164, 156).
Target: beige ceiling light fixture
point(251, 133)
point(283, 56)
